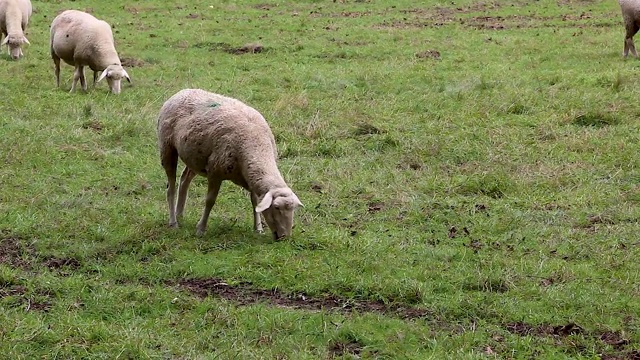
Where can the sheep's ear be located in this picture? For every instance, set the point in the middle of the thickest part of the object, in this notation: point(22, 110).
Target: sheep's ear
point(103, 75)
point(296, 201)
point(127, 76)
point(265, 203)
point(24, 38)
point(5, 41)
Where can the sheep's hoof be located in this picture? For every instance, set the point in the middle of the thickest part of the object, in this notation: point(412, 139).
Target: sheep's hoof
point(200, 230)
point(173, 225)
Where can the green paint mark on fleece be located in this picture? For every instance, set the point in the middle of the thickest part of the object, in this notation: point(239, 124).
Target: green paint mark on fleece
point(214, 105)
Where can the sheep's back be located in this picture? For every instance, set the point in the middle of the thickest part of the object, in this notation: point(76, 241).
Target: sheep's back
point(76, 36)
point(630, 9)
point(212, 132)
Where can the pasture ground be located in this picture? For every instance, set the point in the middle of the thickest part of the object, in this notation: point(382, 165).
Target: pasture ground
point(469, 171)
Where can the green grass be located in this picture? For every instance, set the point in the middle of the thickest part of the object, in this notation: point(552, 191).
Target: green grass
point(469, 172)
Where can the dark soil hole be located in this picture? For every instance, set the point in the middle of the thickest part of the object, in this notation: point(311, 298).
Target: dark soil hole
point(595, 120)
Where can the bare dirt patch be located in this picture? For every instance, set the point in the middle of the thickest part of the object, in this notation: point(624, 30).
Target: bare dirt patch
point(341, 348)
point(132, 62)
point(250, 48)
point(14, 251)
point(62, 265)
point(614, 339)
point(482, 16)
point(245, 294)
point(13, 290)
point(39, 302)
point(523, 329)
point(428, 54)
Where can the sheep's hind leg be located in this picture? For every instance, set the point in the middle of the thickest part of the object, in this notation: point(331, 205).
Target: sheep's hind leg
point(257, 220)
point(212, 194)
point(630, 46)
point(170, 165)
point(628, 41)
point(56, 62)
point(185, 180)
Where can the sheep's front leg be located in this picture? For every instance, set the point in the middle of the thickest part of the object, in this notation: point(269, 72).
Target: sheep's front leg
point(212, 194)
point(78, 74)
point(257, 220)
point(83, 81)
point(185, 180)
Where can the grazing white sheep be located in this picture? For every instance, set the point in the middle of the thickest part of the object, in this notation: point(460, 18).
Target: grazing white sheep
point(631, 16)
point(223, 139)
point(82, 40)
point(14, 18)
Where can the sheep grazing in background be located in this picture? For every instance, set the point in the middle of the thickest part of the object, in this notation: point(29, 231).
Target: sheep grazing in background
point(82, 40)
point(14, 18)
point(223, 139)
point(631, 17)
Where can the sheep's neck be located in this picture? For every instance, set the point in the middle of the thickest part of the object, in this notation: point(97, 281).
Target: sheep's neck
point(262, 175)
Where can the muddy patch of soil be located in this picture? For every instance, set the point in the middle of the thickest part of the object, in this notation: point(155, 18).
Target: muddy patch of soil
point(14, 251)
point(246, 294)
point(428, 54)
point(341, 348)
point(132, 62)
point(64, 266)
point(250, 48)
point(614, 339)
point(39, 302)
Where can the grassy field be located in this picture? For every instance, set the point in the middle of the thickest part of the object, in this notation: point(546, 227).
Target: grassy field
point(469, 171)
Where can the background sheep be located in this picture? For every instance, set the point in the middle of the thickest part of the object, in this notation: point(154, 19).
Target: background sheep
point(82, 40)
point(14, 17)
point(631, 17)
point(223, 139)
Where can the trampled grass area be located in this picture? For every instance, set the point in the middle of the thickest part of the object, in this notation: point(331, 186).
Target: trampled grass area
point(469, 172)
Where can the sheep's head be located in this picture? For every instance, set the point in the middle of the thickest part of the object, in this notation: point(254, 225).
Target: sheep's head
point(277, 207)
point(14, 44)
point(114, 73)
